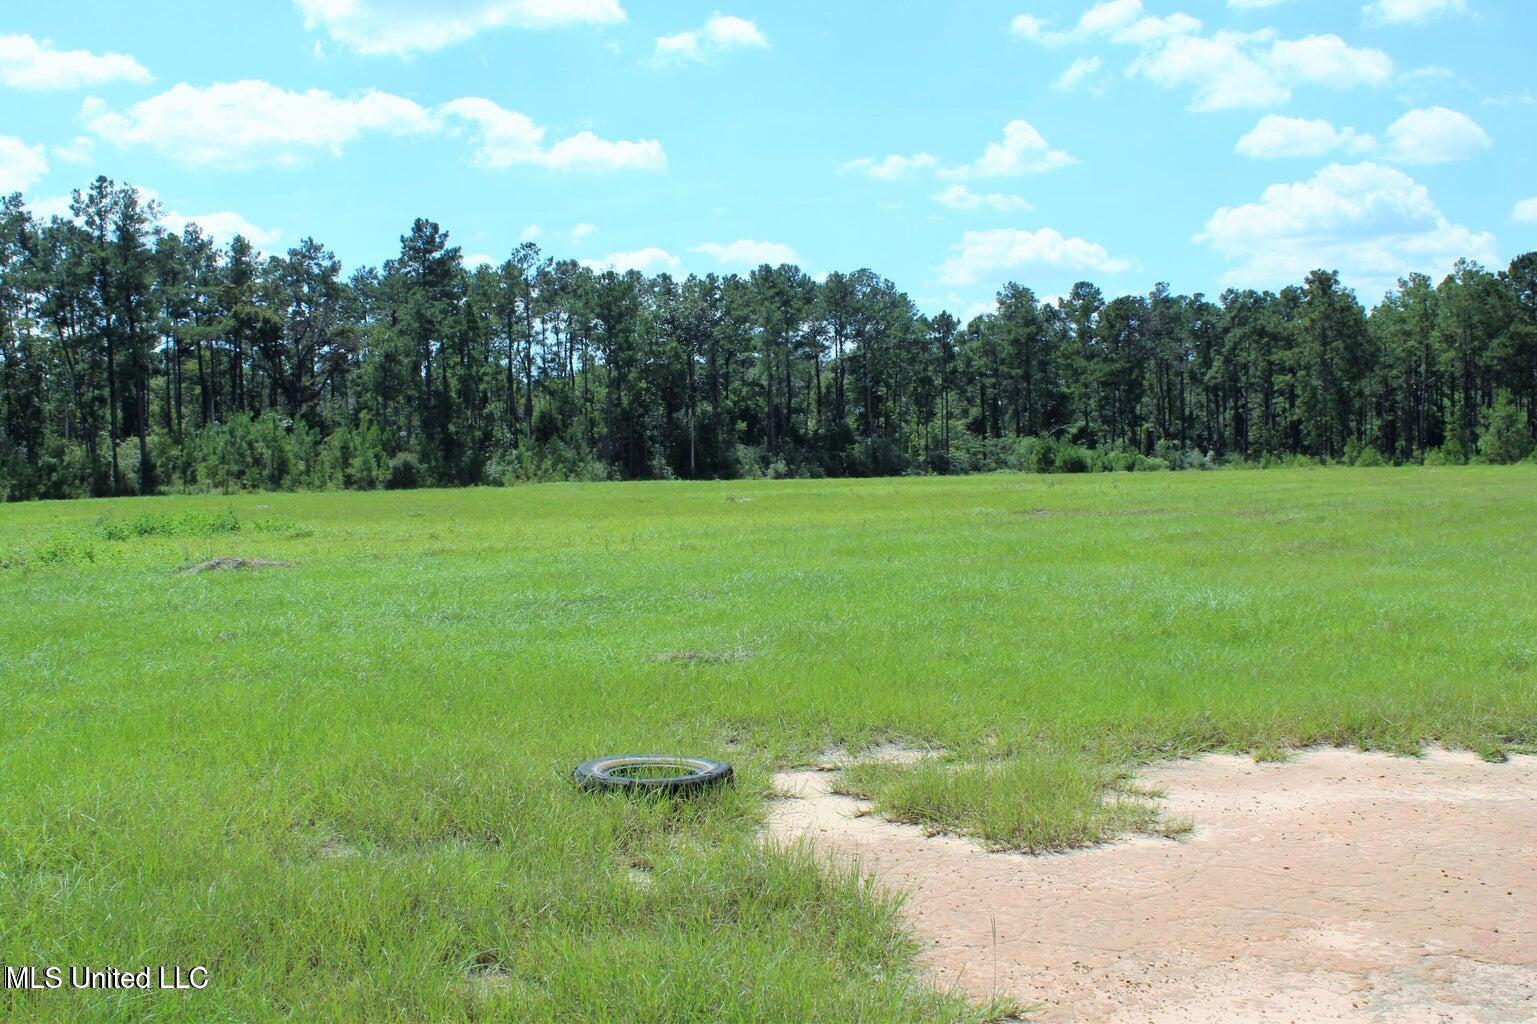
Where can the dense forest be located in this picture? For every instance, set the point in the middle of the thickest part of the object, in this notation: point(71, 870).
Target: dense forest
point(138, 360)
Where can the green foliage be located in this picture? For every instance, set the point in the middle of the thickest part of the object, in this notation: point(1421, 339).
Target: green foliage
point(277, 373)
point(405, 472)
point(1506, 437)
point(182, 523)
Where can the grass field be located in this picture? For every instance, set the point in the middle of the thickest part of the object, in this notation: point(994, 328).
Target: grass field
point(341, 785)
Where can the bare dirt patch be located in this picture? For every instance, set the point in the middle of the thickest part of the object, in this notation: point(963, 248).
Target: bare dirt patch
point(1337, 886)
point(230, 564)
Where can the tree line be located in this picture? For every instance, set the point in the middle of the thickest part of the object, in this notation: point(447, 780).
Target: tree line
point(137, 360)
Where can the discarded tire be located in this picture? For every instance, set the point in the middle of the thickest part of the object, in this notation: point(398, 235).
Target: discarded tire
point(651, 773)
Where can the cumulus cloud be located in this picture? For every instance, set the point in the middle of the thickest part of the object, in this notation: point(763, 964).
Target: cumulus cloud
point(222, 226)
point(982, 254)
point(530, 233)
point(1435, 135)
point(721, 33)
point(1525, 212)
point(249, 123)
point(1224, 69)
point(1230, 70)
point(959, 197)
point(405, 27)
point(650, 260)
point(28, 63)
point(21, 165)
point(506, 137)
point(582, 231)
point(1022, 150)
point(747, 253)
point(1373, 223)
point(890, 168)
point(1410, 12)
point(253, 123)
point(1279, 136)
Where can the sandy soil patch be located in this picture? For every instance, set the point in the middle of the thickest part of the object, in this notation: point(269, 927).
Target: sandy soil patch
point(1337, 886)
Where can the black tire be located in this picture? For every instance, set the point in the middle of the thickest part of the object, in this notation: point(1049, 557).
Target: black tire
point(648, 773)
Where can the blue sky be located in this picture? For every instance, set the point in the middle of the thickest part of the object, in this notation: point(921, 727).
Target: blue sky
point(954, 147)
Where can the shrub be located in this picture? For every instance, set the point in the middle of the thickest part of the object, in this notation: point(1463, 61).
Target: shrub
point(405, 472)
point(1070, 458)
point(1506, 438)
point(1370, 457)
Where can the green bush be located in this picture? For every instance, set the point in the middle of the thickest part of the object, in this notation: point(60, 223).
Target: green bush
point(1070, 458)
point(1506, 437)
point(405, 472)
point(1370, 457)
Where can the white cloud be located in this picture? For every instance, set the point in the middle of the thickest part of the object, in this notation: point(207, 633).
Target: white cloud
point(1279, 136)
point(1224, 70)
point(506, 138)
point(1022, 150)
point(21, 165)
point(27, 63)
point(76, 151)
point(1372, 223)
point(1076, 73)
point(1230, 70)
point(959, 197)
point(50, 206)
point(747, 253)
point(1525, 212)
point(1253, 4)
point(222, 226)
point(1120, 21)
point(253, 123)
point(582, 231)
point(984, 253)
point(1435, 135)
point(1328, 61)
point(1525, 98)
point(722, 32)
point(404, 27)
point(1410, 12)
point(248, 123)
point(650, 260)
point(479, 259)
point(890, 168)
point(530, 233)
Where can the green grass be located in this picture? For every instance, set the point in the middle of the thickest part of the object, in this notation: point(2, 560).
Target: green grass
point(343, 786)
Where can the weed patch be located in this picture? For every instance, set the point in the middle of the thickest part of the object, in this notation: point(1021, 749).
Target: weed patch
point(186, 523)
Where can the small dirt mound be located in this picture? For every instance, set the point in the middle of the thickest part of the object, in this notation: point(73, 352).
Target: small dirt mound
point(229, 564)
